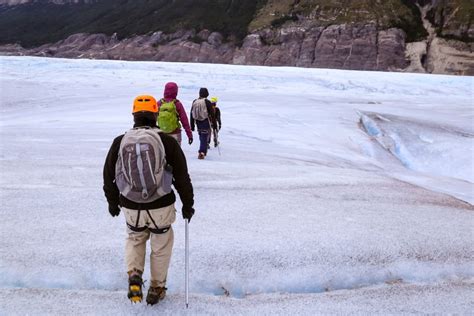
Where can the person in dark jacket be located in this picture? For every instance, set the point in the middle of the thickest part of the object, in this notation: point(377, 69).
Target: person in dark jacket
point(218, 126)
point(149, 220)
point(202, 115)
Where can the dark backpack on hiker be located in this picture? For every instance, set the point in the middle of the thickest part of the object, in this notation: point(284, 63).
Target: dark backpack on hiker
point(142, 174)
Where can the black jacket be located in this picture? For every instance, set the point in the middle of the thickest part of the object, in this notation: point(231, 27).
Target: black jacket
point(217, 115)
point(181, 181)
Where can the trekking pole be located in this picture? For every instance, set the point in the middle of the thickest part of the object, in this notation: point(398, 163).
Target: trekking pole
point(186, 251)
point(216, 140)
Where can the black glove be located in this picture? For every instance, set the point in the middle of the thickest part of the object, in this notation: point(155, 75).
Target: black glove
point(188, 212)
point(219, 127)
point(190, 141)
point(114, 210)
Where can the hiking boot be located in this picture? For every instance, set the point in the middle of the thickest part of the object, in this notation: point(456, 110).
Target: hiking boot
point(135, 283)
point(155, 294)
point(201, 155)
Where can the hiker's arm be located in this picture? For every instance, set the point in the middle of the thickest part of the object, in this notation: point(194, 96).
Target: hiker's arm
point(111, 191)
point(181, 180)
point(191, 118)
point(183, 118)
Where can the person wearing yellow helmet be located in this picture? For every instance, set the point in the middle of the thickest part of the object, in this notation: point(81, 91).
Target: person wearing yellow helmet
point(140, 168)
point(217, 112)
point(217, 115)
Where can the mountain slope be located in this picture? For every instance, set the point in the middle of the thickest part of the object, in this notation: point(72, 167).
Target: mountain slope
point(453, 19)
point(385, 14)
point(38, 23)
point(46, 22)
point(394, 35)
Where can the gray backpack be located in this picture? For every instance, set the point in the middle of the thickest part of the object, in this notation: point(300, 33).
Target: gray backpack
point(199, 110)
point(142, 174)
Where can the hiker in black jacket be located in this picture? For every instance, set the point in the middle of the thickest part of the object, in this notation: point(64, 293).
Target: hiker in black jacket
point(151, 220)
point(218, 125)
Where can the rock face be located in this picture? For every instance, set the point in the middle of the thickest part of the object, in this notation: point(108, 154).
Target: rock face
point(360, 47)
point(299, 41)
point(452, 18)
point(442, 51)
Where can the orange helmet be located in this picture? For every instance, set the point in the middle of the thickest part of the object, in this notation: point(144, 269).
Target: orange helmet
point(145, 103)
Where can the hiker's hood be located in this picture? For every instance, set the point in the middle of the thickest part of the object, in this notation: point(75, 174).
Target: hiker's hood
point(171, 90)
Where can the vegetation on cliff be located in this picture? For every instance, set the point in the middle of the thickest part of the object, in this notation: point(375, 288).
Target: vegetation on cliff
point(35, 23)
point(402, 14)
point(41, 22)
point(453, 19)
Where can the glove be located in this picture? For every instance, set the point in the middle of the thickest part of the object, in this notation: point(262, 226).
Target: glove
point(188, 212)
point(114, 210)
point(219, 127)
point(190, 141)
point(192, 129)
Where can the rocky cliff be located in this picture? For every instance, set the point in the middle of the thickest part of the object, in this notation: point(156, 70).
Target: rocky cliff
point(452, 18)
point(449, 46)
point(392, 35)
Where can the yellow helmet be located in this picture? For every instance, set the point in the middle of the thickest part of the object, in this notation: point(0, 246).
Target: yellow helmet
point(214, 100)
point(145, 103)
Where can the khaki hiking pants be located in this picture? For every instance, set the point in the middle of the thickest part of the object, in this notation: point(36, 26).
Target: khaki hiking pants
point(150, 224)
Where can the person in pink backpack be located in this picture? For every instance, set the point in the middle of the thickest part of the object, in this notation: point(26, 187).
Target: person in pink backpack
point(171, 114)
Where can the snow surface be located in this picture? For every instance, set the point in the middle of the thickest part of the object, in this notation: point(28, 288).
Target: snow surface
point(335, 191)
